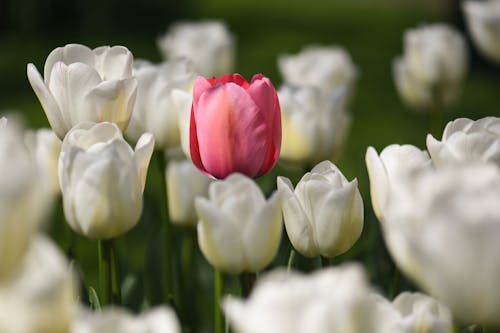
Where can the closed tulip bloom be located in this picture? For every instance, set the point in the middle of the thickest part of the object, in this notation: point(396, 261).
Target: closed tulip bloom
point(81, 84)
point(41, 297)
point(238, 230)
point(336, 299)
point(439, 223)
point(325, 67)
point(235, 126)
point(208, 44)
point(465, 140)
point(23, 199)
point(386, 169)
point(433, 66)
point(119, 320)
point(155, 108)
point(102, 179)
point(483, 19)
point(315, 125)
point(184, 183)
point(324, 215)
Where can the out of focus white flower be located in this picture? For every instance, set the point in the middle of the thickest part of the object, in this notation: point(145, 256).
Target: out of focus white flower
point(326, 67)
point(184, 183)
point(208, 44)
point(183, 101)
point(394, 162)
point(41, 296)
point(45, 147)
point(465, 140)
point(442, 230)
point(118, 320)
point(23, 202)
point(155, 108)
point(81, 84)
point(238, 230)
point(102, 179)
point(314, 125)
point(337, 299)
point(324, 215)
point(433, 66)
point(483, 22)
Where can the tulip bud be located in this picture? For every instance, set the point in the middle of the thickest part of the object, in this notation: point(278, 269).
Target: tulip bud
point(327, 68)
point(394, 162)
point(235, 126)
point(208, 44)
point(155, 108)
point(184, 183)
point(324, 215)
point(102, 179)
point(465, 140)
point(433, 66)
point(238, 230)
point(81, 84)
point(482, 18)
point(314, 125)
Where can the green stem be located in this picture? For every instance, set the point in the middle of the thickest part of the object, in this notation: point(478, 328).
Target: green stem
point(167, 228)
point(291, 259)
point(109, 278)
point(187, 278)
point(396, 282)
point(247, 281)
point(325, 262)
point(218, 290)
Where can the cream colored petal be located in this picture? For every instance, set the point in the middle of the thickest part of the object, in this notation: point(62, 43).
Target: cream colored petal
point(68, 54)
point(142, 156)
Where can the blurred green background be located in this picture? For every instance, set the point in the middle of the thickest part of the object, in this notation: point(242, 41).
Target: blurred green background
point(371, 31)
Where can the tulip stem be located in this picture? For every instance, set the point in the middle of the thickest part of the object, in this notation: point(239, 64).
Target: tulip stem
point(247, 281)
point(325, 262)
point(218, 290)
point(291, 259)
point(109, 278)
point(436, 116)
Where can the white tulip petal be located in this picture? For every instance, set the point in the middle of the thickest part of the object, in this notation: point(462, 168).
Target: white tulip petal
point(142, 156)
point(115, 62)
point(183, 101)
point(70, 53)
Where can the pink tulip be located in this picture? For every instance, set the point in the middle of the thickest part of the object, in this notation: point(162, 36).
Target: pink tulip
point(235, 125)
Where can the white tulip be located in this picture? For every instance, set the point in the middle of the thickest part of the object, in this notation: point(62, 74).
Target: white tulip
point(465, 140)
point(23, 201)
point(442, 230)
point(183, 101)
point(324, 215)
point(433, 66)
point(394, 162)
point(155, 108)
point(336, 299)
point(184, 183)
point(118, 320)
point(41, 296)
point(325, 67)
point(238, 230)
point(45, 147)
point(314, 125)
point(483, 20)
point(81, 84)
point(208, 44)
point(102, 179)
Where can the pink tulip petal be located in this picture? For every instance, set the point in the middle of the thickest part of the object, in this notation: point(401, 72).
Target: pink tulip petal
point(193, 144)
point(235, 78)
point(231, 131)
point(201, 84)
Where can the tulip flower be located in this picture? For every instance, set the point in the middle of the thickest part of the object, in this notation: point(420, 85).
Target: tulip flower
point(387, 169)
point(235, 126)
point(81, 84)
point(238, 230)
point(442, 230)
point(315, 125)
point(184, 183)
point(433, 66)
point(325, 67)
point(119, 320)
point(102, 179)
point(324, 215)
point(23, 198)
point(208, 44)
point(155, 107)
point(482, 18)
point(41, 297)
point(465, 140)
